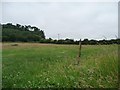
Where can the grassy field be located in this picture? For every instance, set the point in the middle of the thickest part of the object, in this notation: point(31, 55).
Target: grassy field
point(34, 65)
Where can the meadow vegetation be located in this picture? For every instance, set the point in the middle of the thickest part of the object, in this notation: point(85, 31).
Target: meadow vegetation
point(35, 65)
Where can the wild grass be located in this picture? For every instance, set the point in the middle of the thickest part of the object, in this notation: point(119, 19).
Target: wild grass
point(34, 65)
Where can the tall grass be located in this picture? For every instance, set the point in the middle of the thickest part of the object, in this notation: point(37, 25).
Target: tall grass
point(43, 65)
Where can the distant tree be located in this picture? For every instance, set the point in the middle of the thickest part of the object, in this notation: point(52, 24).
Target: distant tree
point(93, 42)
point(69, 41)
point(60, 41)
point(21, 33)
point(42, 34)
point(85, 41)
point(50, 38)
point(29, 28)
point(9, 25)
point(118, 41)
point(35, 29)
point(29, 33)
point(23, 28)
point(55, 41)
point(18, 26)
point(26, 28)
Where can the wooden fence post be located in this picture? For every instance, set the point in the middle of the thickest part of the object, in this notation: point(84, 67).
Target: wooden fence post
point(80, 48)
point(79, 53)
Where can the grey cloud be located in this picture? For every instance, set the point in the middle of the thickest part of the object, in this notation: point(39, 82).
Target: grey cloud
point(72, 20)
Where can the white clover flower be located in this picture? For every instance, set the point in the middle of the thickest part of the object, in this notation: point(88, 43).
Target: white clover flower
point(14, 84)
point(58, 84)
point(29, 81)
point(47, 79)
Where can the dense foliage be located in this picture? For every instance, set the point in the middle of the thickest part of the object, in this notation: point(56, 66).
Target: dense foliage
point(84, 42)
point(21, 33)
point(14, 33)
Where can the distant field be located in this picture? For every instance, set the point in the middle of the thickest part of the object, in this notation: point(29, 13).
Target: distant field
point(34, 65)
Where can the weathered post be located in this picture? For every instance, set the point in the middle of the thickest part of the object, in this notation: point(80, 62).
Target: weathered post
point(79, 53)
point(80, 48)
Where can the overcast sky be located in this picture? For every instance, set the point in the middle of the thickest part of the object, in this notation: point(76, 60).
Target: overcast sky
point(92, 20)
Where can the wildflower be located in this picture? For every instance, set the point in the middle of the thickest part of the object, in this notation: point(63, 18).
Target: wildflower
point(101, 86)
point(90, 78)
point(17, 75)
point(14, 84)
point(47, 79)
point(58, 84)
point(29, 81)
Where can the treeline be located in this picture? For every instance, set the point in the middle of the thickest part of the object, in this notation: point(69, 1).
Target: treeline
point(84, 42)
point(20, 33)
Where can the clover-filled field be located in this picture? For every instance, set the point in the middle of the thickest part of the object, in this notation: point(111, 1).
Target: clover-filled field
point(35, 65)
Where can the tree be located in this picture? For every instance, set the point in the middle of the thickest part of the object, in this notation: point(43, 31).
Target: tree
point(26, 28)
point(85, 41)
point(42, 34)
point(69, 41)
point(93, 42)
point(21, 33)
point(29, 28)
point(35, 29)
point(18, 26)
